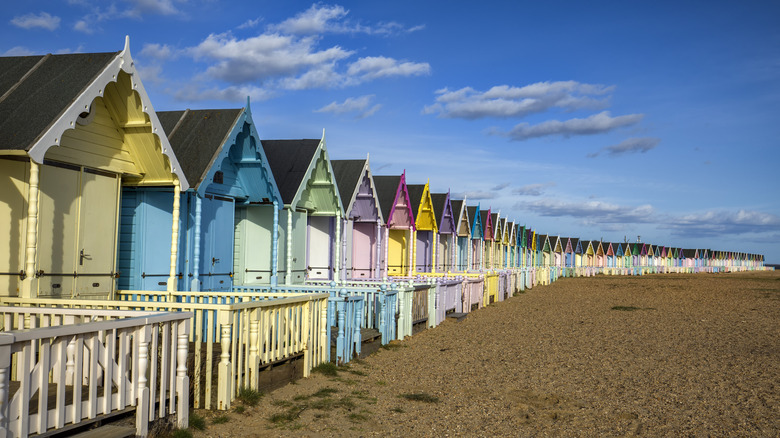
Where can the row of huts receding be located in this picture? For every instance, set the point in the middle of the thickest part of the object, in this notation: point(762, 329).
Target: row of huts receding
point(107, 200)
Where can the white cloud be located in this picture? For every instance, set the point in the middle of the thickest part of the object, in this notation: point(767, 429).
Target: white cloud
point(157, 51)
point(629, 145)
point(321, 19)
point(532, 189)
point(500, 186)
point(89, 23)
point(152, 74)
point(592, 212)
point(595, 124)
point(44, 20)
point(374, 67)
point(718, 223)
point(18, 51)
point(476, 195)
point(288, 56)
point(317, 19)
point(361, 105)
point(140, 7)
point(250, 23)
point(505, 101)
point(262, 57)
point(193, 93)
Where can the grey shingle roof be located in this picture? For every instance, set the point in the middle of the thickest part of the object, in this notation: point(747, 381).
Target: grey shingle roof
point(347, 174)
point(386, 188)
point(30, 104)
point(415, 195)
point(197, 137)
point(438, 200)
point(289, 160)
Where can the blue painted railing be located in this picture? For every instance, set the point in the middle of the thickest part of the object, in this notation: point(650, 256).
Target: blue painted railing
point(377, 306)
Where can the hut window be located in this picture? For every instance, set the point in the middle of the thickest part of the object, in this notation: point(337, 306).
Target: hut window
point(218, 177)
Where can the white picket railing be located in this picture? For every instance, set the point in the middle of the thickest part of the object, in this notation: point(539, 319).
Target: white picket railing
point(93, 363)
point(249, 331)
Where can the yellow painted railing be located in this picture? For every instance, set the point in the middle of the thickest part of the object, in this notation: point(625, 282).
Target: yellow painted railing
point(249, 330)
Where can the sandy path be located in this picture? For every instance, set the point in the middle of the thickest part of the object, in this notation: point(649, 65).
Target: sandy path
point(699, 356)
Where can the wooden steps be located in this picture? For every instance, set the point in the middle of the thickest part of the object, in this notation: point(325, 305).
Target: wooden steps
point(457, 316)
point(107, 431)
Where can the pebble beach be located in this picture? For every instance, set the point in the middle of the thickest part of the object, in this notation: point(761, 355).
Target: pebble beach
point(657, 355)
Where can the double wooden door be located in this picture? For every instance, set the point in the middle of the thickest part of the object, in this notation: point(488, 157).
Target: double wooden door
point(77, 236)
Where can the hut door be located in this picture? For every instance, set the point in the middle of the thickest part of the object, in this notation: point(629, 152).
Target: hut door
point(216, 257)
point(257, 226)
point(463, 253)
point(424, 251)
point(97, 234)
point(319, 248)
point(363, 249)
point(57, 229)
point(397, 252)
point(77, 231)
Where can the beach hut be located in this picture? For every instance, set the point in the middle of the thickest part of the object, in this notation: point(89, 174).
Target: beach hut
point(221, 214)
point(311, 219)
point(462, 253)
point(425, 228)
point(477, 241)
point(548, 258)
point(397, 212)
point(446, 252)
point(362, 235)
point(75, 130)
point(511, 243)
point(488, 228)
point(558, 252)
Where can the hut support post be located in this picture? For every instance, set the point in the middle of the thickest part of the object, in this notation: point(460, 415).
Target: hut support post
point(275, 247)
point(195, 281)
point(31, 244)
point(377, 266)
point(288, 270)
point(337, 258)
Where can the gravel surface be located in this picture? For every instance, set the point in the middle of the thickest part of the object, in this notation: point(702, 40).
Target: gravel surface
point(658, 355)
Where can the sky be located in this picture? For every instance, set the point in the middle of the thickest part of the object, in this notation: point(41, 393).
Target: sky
point(598, 120)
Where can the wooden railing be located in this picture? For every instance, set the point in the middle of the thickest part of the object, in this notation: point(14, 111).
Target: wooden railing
point(60, 367)
point(246, 333)
point(379, 301)
point(473, 292)
point(448, 297)
point(491, 288)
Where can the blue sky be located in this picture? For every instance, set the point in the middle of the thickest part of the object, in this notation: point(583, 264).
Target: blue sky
point(584, 119)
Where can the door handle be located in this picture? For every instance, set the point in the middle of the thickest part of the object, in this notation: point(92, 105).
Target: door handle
point(214, 261)
point(83, 256)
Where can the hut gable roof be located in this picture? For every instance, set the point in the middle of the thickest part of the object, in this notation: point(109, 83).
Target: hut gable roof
point(290, 161)
point(476, 225)
point(422, 205)
point(444, 213)
point(487, 224)
point(352, 176)
point(462, 216)
point(206, 141)
point(197, 137)
point(392, 191)
point(555, 244)
point(44, 96)
point(39, 89)
point(348, 174)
